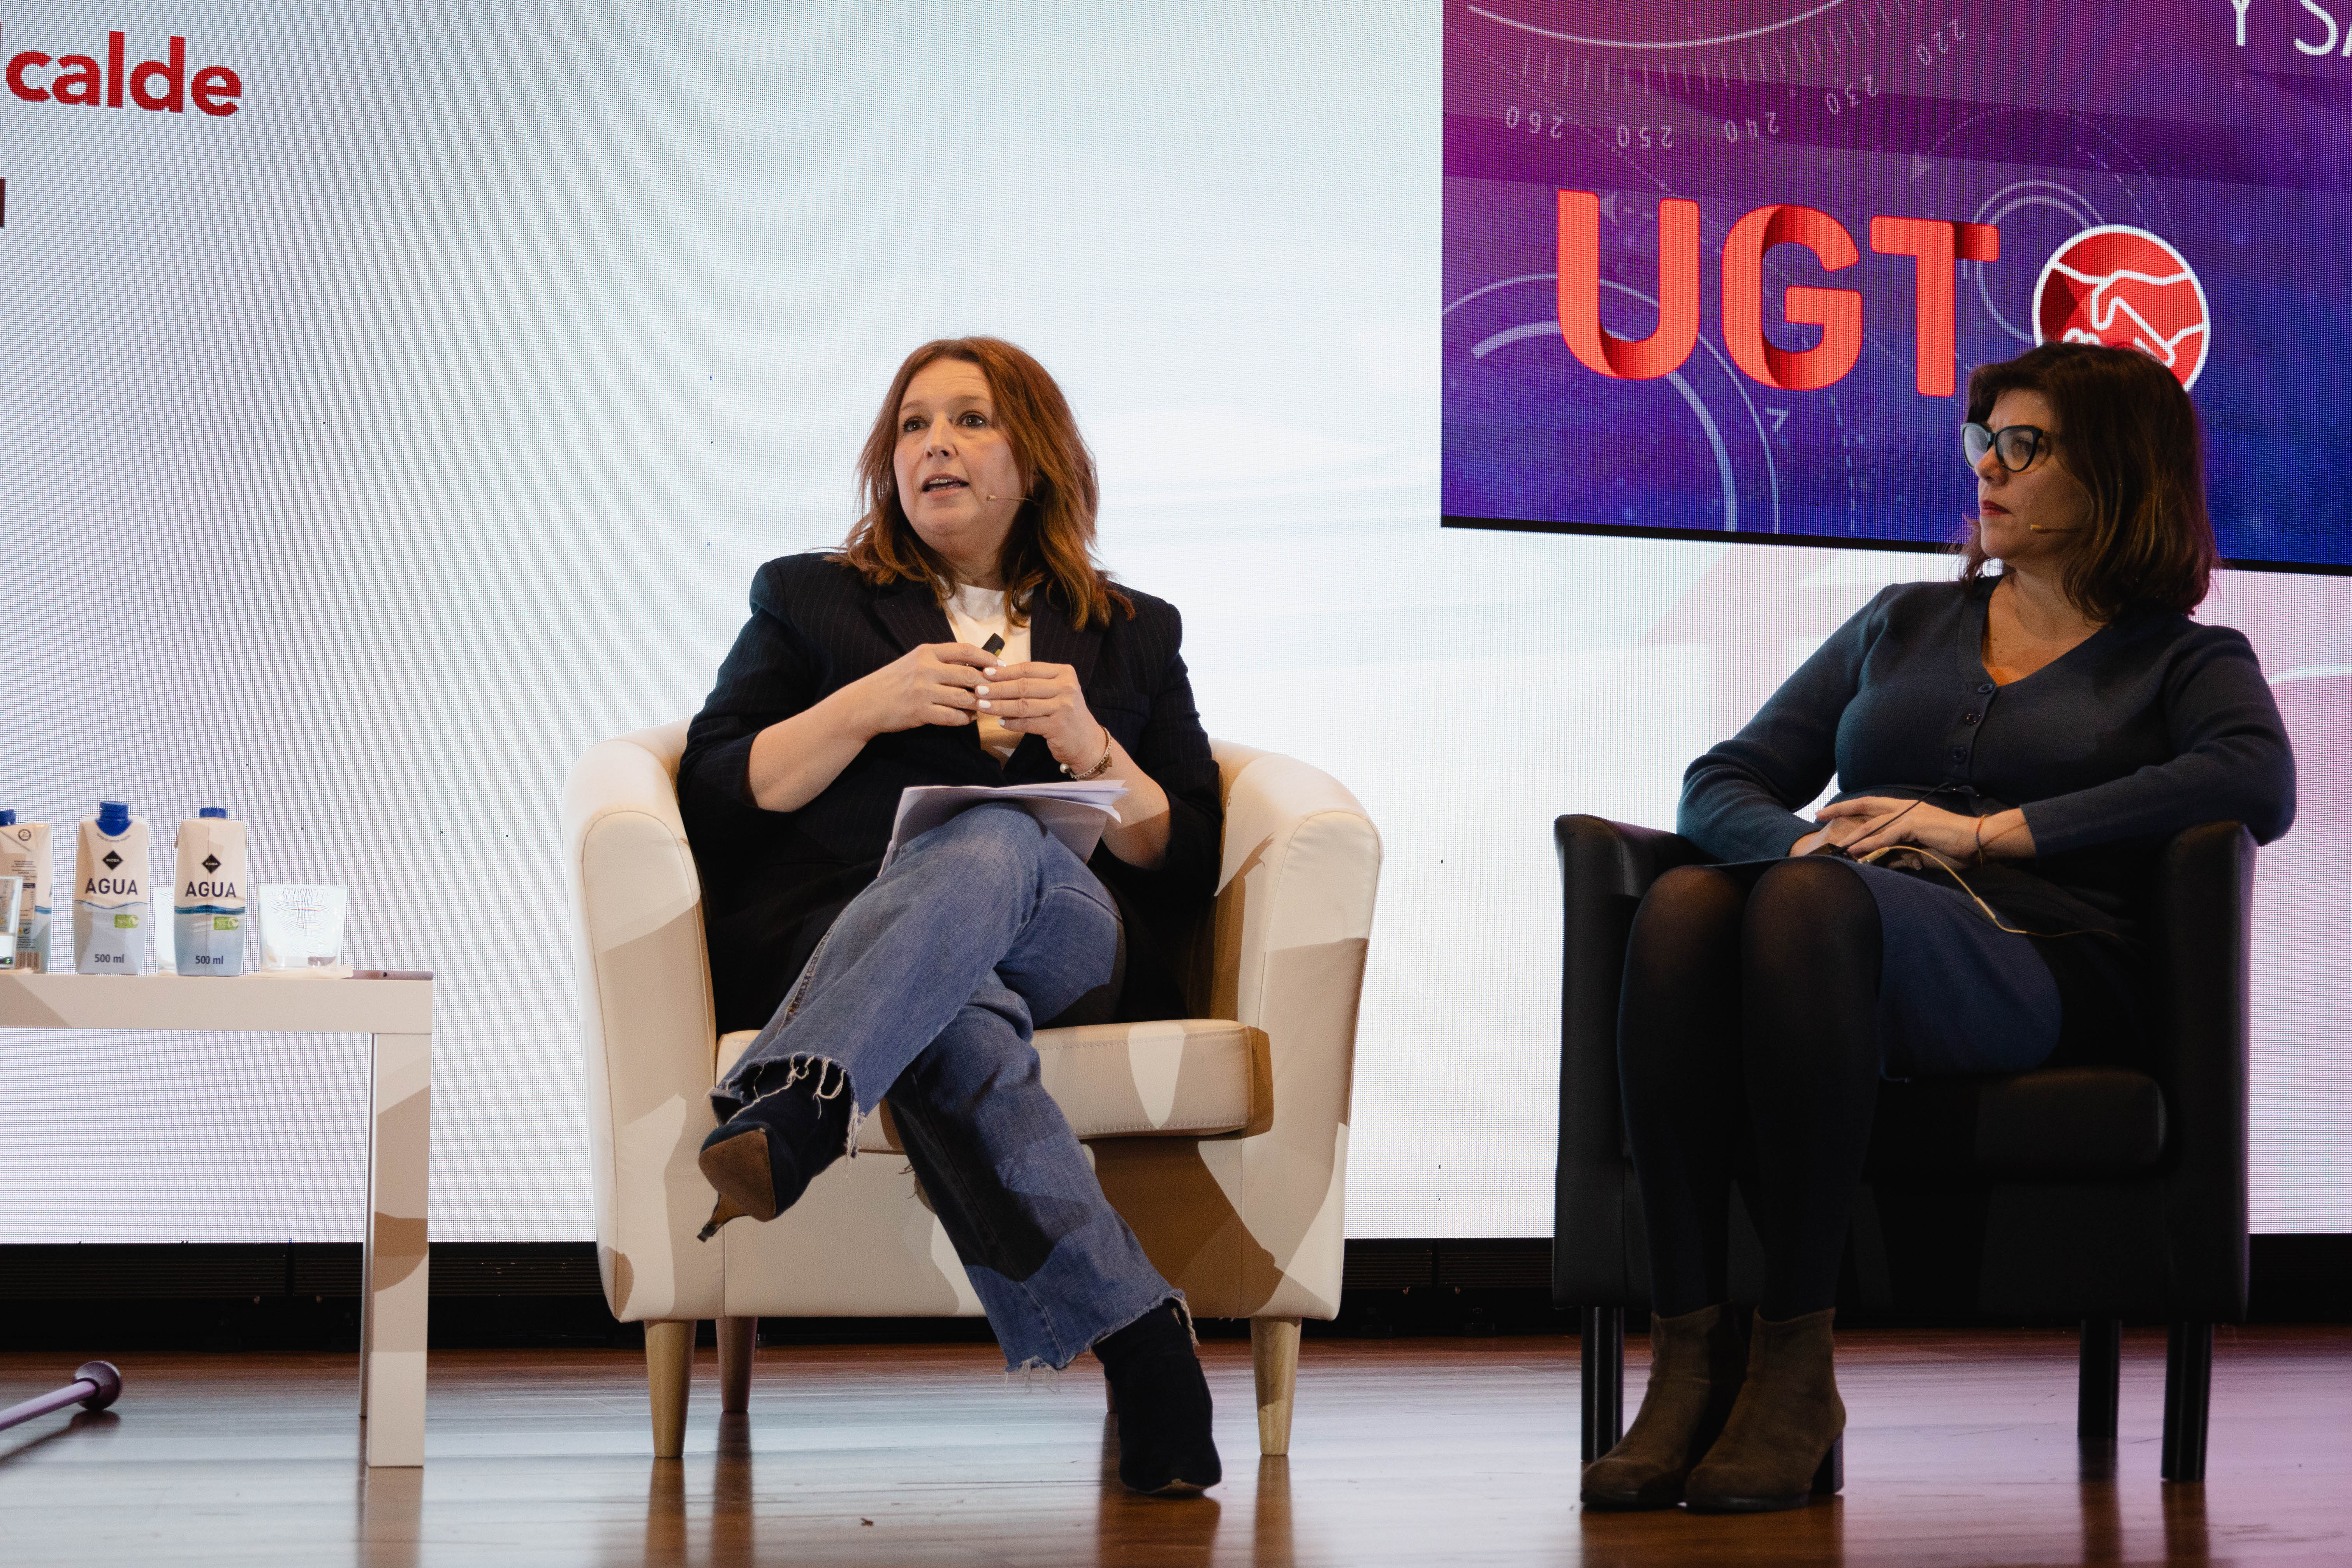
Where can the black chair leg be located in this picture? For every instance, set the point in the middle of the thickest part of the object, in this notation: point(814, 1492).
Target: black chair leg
point(2188, 1392)
point(2098, 1387)
point(1603, 1332)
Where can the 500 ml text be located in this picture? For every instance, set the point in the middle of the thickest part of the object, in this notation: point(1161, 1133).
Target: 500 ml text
point(163, 85)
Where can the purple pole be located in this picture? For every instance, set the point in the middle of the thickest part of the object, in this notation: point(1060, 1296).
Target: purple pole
point(94, 1387)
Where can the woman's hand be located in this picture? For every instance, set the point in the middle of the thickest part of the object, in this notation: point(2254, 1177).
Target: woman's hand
point(794, 760)
point(1885, 821)
point(1841, 832)
point(1044, 700)
point(932, 684)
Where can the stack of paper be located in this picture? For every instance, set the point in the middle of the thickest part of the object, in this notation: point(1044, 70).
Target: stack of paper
point(1074, 813)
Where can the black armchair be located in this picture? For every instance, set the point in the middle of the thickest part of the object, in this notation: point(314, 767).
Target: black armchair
point(2095, 1194)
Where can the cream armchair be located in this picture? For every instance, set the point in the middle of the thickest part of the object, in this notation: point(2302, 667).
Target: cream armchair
point(1223, 1140)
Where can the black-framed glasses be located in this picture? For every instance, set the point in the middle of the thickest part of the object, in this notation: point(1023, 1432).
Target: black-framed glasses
point(2016, 444)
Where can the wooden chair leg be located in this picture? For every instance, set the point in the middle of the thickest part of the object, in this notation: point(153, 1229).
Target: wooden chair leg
point(2188, 1393)
point(737, 1336)
point(1273, 1356)
point(1603, 1333)
point(670, 1373)
point(2099, 1382)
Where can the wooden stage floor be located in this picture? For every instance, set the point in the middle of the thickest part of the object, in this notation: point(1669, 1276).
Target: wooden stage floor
point(1960, 1451)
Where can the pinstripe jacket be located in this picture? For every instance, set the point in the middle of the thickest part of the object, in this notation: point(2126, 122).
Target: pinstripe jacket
point(773, 881)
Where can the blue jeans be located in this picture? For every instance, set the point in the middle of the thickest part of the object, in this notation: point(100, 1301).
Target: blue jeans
point(926, 991)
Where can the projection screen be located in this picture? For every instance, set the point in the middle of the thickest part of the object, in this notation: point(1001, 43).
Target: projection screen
point(385, 433)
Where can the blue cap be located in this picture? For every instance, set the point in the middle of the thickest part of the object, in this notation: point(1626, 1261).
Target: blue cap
point(219, 811)
point(7, 817)
point(113, 816)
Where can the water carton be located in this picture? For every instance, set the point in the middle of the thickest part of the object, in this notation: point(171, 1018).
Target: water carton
point(110, 885)
point(208, 895)
point(24, 853)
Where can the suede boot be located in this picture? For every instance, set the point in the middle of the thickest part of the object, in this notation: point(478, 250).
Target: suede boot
point(1780, 1448)
point(1695, 1362)
point(1165, 1446)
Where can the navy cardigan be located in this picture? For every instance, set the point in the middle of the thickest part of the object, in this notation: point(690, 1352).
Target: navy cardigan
point(2153, 724)
point(773, 881)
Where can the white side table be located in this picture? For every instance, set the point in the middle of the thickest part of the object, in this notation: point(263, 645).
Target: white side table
point(397, 1017)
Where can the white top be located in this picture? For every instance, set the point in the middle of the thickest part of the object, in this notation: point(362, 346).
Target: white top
point(975, 615)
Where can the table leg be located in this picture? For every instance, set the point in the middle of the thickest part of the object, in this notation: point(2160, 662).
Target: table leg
point(393, 1268)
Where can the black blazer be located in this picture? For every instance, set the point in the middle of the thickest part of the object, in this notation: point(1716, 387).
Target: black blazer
point(773, 881)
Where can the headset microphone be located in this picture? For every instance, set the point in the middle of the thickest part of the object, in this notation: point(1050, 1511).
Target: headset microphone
point(1007, 498)
point(2037, 528)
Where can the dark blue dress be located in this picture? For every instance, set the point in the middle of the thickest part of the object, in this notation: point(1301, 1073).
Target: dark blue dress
point(2153, 724)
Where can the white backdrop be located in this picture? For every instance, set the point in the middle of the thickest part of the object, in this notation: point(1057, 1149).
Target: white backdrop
point(372, 452)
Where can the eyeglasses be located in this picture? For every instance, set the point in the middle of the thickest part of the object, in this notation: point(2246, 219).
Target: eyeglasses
point(2016, 444)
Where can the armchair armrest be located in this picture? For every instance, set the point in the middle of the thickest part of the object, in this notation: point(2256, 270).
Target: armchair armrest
point(647, 1023)
point(1284, 955)
point(1604, 868)
point(2199, 944)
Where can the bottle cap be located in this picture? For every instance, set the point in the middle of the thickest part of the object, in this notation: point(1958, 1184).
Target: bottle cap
point(113, 816)
point(219, 811)
point(7, 817)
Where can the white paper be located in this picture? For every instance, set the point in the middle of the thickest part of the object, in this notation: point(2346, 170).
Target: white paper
point(1074, 813)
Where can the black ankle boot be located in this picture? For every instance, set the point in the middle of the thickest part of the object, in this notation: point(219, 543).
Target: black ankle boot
point(1165, 1443)
point(762, 1158)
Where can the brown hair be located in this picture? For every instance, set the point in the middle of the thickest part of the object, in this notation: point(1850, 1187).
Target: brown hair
point(1051, 544)
point(2129, 434)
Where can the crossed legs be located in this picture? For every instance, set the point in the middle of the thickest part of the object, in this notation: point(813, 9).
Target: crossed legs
point(925, 991)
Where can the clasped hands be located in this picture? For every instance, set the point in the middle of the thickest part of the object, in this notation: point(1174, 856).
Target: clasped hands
point(1872, 822)
point(956, 683)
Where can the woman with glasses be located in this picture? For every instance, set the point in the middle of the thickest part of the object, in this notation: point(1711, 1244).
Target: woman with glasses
point(962, 635)
point(2010, 749)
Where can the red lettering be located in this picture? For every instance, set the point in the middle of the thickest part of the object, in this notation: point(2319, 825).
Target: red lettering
point(1837, 312)
point(174, 75)
point(163, 85)
point(1934, 245)
point(17, 82)
point(213, 87)
point(79, 73)
point(1579, 289)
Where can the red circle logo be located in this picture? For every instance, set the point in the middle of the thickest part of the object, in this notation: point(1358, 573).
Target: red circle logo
point(2127, 289)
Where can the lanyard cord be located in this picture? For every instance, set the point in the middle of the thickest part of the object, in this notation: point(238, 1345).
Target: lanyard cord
point(1921, 850)
point(1952, 871)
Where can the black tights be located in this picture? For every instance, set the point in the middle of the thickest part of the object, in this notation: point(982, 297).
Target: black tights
point(1747, 1034)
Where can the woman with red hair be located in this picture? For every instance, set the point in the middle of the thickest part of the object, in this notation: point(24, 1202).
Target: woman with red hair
point(963, 635)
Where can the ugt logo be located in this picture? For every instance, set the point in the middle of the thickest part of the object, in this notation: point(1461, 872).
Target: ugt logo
point(1934, 246)
point(2127, 289)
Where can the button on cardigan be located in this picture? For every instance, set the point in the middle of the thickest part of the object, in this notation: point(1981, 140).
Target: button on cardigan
point(2153, 724)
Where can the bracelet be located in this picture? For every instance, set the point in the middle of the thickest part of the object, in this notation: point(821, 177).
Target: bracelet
point(1980, 861)
point(1100, 767)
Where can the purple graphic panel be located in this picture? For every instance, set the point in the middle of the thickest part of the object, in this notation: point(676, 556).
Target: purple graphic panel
point(1724, 267)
